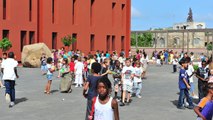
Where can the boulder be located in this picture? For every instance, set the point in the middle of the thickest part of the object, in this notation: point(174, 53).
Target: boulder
point(31, 54)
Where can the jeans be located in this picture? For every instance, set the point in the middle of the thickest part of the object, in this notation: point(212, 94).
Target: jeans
point(137, 88)
point(166, 60)
point(89, 108)
point(192, 87)
point(174, 68)
point(10, 89)
point(181, 97)
point(200, 90)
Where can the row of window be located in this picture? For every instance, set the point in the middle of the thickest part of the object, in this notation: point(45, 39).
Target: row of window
point(23, 37)
point(74, 4)
point(110, 42)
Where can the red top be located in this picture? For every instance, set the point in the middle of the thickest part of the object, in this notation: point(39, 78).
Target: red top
point(72, 65)
point(85, 66)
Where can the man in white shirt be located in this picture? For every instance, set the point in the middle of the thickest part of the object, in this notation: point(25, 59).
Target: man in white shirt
point(9, 75)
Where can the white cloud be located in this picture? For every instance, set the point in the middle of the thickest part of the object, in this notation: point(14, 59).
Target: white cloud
point(135, 13)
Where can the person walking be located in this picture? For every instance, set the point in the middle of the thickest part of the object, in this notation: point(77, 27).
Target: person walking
point(9, 70)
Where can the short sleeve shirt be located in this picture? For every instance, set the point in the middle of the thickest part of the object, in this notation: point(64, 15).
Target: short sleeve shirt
point(127, 71)
point(92, 92)
point(8, 65)
point(182, 75)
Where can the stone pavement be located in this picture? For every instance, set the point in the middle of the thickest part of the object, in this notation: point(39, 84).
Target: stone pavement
point(159, 99)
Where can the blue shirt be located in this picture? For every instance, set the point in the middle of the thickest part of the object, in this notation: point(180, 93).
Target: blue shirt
point(166, 54)
point(182, 75)
point(107, 55)
point(92, 92)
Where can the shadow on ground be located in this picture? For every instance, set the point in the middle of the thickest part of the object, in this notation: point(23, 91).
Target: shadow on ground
point(54, 91)
point(20, 100)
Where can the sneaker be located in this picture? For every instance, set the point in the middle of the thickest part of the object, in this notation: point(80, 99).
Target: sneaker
point(11, 104)
point(7, 97)
point(181, 107)
point(195, 97)
point(122, 104)
point(190, 107)
point(80, 85)
point(138, 96)
point(76, 85)
point(3, 86)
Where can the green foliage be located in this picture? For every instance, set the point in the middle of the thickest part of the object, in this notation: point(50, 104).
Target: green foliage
point(195, 67)
point(144, 39)
point(209, 47)
point(68, 40)
point(5, 44)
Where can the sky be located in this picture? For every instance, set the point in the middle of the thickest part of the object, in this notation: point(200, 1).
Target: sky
point(146, 14)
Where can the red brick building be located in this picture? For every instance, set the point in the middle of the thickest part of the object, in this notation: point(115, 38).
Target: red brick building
point(96, 24)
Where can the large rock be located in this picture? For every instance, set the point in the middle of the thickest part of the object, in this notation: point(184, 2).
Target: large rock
point(31, 54)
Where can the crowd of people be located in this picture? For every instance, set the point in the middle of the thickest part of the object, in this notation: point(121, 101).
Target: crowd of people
point(91, 72)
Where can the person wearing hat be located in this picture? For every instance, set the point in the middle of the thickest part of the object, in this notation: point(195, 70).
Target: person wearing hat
point(184, 86)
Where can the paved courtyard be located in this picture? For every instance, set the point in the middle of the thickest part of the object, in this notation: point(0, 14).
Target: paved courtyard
point(159, 98)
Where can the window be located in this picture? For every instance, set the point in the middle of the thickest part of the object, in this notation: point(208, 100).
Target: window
point(23, 39)
point(162, 42)
point(32, 37)
point(113, 13)
point(108, 43)
point(122, 42)
point(74, 45)
point(73, 11)
point(53, 11)
point(123, 14)
point(4, 9)
point(113, 42)
point(91, 11)
point(92, 42)
point(5, 34)
point(30, 10)
point(54, 40)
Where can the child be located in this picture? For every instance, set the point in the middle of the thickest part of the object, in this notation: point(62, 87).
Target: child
point(204, 110)
point(85, 72)
point(117, 78)
point(43, 60)
point(127, 76)
point(79, 67)
point(9, 70)
point(105, 107)
point(91, 85)
point(65, 85)
point(1, 85)
point(137, 79)
point(184, 86)
point(72, 69)
point(60, 65)
point(202, 75)
point(50, 70)
point(105, 68)
point(190, 72)
point(174, 63)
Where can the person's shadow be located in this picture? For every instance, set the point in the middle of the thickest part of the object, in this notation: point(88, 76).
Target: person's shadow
point(19, 100)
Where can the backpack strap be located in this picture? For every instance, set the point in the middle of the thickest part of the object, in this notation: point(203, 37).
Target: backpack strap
point(91, 116)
